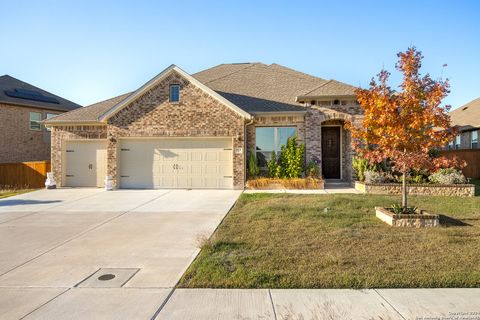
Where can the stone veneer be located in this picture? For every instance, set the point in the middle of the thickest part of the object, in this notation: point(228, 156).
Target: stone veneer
point(197, 114)
point(452, 190)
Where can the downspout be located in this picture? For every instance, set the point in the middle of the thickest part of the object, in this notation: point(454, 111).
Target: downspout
point(245, 152)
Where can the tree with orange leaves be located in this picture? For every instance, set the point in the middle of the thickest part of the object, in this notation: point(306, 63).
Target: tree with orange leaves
point(404, 125)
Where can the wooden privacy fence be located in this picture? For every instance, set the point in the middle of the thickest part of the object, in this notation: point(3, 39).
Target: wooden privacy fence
point(24, 174)
point(471, 157)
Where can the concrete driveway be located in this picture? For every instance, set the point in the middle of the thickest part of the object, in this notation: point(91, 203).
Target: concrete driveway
point(55, 244)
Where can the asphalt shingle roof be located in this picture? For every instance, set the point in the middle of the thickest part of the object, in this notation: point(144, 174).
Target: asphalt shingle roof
point(253, 87)
point(89, 113)
point(467, 116)
point(9, 86)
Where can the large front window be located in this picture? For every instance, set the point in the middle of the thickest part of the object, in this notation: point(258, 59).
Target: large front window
point(269, 140)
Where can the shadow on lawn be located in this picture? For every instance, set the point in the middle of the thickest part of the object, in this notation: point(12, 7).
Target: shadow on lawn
point(446, 221)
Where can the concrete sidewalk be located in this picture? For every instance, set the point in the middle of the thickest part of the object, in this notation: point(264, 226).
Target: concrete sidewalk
point(306, 304)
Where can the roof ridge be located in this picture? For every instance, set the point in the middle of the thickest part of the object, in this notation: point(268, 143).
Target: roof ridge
point(251, 64)
point(294, 72)
point(323, 84)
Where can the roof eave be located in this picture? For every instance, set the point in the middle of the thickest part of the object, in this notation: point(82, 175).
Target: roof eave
point(330, 96)
point(27, 105)
point(49, 124)
point(260, 113)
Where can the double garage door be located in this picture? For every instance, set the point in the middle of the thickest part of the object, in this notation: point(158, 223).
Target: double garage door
point(153, 163)
point(176, 163)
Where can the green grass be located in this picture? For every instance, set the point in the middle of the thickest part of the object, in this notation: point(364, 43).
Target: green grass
point(476, 182)
point(5, 193)
point(291, 241)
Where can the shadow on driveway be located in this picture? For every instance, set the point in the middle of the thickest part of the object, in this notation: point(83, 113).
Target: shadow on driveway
point(20, 202)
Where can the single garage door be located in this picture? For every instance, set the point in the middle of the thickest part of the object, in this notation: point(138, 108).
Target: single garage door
point(85, 163)
point(176, 163)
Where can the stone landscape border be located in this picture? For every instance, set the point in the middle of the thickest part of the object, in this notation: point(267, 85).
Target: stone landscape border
point(449, 190)
point(422, 219)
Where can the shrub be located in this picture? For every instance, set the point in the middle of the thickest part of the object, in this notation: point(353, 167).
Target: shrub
point(398, 209)
point(447, 176)
point(253, 169)
point(274, 168)
point(360, 165)
point(292, 158)
point(312, 170)
point(372, 176)
point(290, 163)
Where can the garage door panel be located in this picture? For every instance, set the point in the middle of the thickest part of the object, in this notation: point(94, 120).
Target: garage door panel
point(85, 163)
point(211, 156)
point(178, 163)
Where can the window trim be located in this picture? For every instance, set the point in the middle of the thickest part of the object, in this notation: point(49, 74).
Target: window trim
point(472, 140)
point(458, 141)
point(170, 93)
point(30, 121)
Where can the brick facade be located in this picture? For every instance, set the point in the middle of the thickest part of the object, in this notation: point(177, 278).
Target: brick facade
point(18, 143)
point(309, 131)
point(61, 134)
point(197, 114)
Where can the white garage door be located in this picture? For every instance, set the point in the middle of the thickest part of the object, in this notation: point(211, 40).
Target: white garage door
point(176, 163)
point(85, 163)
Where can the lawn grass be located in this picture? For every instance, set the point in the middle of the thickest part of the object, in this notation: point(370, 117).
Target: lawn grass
point(335, 241)
point(5, 193)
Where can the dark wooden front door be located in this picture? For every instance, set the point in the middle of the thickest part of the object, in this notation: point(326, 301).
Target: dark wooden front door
point(331, 152)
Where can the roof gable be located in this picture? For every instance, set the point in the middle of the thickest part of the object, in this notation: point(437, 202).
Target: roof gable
point(150, 84)
point(467, 116)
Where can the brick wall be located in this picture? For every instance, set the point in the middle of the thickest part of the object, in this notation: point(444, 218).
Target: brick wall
point(18, 143)
point(74, 132)
point(196, 115)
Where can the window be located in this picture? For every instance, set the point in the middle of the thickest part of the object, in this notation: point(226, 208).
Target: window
point(35, 118)
point(269, 140)
point(474, 139)
point(457, 142)
point(50, 115)
point(174, 93)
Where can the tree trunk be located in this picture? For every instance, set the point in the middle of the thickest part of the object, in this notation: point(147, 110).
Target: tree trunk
point(404, 191)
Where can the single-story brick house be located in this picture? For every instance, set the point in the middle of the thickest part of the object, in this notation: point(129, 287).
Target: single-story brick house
point(196, 131)
point(22, 108)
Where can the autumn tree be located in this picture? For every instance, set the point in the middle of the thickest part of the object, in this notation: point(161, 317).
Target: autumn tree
point(403, 125)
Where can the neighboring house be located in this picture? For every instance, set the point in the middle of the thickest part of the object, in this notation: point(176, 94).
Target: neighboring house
point(22, 107)
point(196, 131)
point(467, 120)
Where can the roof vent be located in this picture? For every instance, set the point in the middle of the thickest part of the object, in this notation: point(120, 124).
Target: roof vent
point(30, 95)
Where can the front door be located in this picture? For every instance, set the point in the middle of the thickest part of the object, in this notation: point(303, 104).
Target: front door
point(331, 152)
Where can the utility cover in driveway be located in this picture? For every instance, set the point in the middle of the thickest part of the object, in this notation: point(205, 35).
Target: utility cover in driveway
point(108, 278)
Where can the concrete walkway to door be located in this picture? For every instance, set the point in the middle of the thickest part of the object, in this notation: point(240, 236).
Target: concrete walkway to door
point(55, 244)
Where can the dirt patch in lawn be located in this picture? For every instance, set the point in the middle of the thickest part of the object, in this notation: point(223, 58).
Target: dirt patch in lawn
point(335, 241)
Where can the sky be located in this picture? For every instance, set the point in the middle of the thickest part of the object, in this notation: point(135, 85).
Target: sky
point(88, 51)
